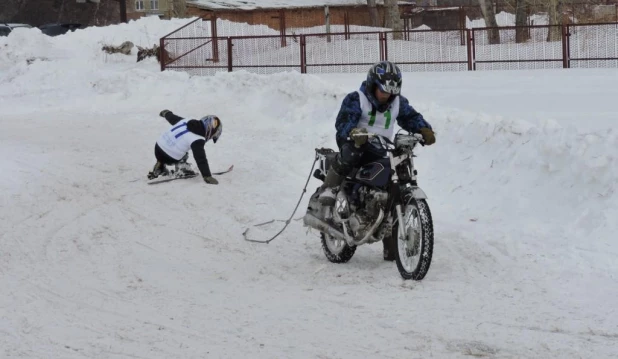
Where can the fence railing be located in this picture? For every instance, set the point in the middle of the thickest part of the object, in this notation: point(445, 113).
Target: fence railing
point(585, 45)
point(196, 37)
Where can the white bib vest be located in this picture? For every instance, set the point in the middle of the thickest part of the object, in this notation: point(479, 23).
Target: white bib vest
point(177, 141)
point(378, 122)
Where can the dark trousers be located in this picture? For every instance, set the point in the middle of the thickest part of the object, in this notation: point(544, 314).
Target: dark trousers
point(350, 157)
point(163, 157)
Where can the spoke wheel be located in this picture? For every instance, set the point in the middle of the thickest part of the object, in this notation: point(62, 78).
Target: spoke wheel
point(415, 248)
point(336, 250)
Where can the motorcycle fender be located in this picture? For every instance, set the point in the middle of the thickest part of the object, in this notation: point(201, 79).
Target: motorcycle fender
point(418, 193)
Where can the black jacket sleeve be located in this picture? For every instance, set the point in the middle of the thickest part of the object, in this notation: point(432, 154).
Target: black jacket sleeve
point(172, 119)
point(196, 127)
point(200, 157)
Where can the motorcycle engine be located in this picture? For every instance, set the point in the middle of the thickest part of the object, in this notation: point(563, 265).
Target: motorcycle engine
point(373, 200)
point(370, 202)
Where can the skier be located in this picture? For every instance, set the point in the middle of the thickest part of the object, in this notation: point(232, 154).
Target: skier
point(174, 144)
point(372, 108)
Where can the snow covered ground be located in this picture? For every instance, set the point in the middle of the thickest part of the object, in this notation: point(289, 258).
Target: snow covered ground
point(94, 263)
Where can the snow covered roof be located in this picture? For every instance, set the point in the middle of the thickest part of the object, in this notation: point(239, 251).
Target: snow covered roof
point(276, 4)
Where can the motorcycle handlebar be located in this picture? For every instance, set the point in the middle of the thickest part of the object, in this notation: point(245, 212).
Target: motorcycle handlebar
point(416, 136)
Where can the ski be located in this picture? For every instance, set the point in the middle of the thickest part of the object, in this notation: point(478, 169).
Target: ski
point(171, 179)
point(168, 179)
point(224, 172)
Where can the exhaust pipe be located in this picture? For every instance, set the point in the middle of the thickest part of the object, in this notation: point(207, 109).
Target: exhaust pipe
point(371, 230)
point(318, 224)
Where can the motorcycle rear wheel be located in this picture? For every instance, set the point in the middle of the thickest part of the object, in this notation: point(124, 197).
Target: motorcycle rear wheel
point(336, 250)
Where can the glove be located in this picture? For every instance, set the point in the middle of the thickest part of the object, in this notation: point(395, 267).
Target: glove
point(210, 180)
point(164, 112)
point(428, 136)
point(357, 136)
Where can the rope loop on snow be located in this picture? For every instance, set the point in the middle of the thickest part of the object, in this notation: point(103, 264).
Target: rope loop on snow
point(289, 220)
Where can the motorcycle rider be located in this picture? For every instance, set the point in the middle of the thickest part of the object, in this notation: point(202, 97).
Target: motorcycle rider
point(372, 109)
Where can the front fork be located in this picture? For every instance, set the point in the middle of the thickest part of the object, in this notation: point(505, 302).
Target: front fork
point(400, 230)
point(395, 196)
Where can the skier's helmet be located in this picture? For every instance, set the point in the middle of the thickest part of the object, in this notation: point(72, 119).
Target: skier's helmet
point(213, 126)
point(386, 76)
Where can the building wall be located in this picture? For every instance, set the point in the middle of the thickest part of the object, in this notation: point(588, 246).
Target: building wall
point(133, 13)
point(305, 17)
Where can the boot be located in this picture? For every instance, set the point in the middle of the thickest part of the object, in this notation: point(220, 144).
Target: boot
point(329, 191)
point(159, 169)
point(388, 252)
point(183, 168)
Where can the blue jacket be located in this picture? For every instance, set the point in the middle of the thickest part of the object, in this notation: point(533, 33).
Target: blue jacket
point(350, 114)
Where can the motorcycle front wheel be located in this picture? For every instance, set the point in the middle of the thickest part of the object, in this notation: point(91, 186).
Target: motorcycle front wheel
point(414, 250)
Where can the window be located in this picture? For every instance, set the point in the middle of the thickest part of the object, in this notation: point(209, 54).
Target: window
point(154, 4)
point(139, 4)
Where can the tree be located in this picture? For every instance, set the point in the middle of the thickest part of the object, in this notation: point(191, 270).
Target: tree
point(522, 33)
point(39, 12)
point(553, 11)
point(373, 12)
point(10, 8)
point(179, 8)
point(393, 19)
point(487, 8)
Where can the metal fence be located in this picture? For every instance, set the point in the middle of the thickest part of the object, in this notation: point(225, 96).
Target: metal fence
point(535, 53)
point(580, 45)
point(181, 47)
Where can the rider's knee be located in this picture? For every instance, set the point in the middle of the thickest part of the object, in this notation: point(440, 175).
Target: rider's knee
point(348, 158)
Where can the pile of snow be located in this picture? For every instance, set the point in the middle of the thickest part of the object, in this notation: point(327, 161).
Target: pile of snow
point(96, 263)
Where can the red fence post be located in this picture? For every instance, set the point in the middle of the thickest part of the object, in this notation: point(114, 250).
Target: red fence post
point(282, 26)
point(229, 54)
point(472, 49)
point(385, 39)
point(303, 54)
point(462, 24)
point(381, 45)
point(162, 53)
point(565, 49)
point(566, 46)
point(213, 33)
point(469, 48)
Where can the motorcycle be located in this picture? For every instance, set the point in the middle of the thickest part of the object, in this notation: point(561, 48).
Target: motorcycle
point(379, 201)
